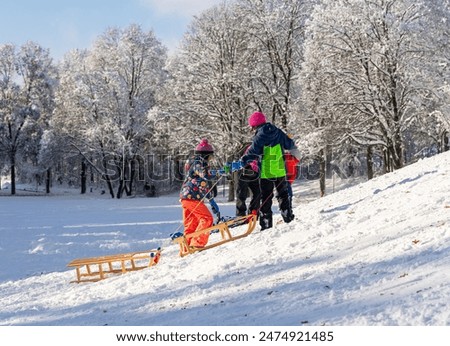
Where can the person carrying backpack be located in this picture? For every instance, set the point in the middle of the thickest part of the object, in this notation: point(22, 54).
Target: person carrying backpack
point(268, 145)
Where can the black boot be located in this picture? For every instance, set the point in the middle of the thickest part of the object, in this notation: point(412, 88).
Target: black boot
point(287, 215)
point(265, 221)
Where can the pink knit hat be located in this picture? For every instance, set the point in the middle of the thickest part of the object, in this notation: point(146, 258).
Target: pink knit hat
point(204, 147)
point(256, 119)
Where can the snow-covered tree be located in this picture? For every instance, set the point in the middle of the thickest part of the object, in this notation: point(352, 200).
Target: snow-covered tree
point(276, 29)
point(435, 120)
point(27, 82)
point(236, 58)
point(104, 99)
point(209, 86)
point(363, 73)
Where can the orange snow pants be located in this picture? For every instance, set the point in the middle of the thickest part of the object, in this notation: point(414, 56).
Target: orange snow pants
point(196, 216)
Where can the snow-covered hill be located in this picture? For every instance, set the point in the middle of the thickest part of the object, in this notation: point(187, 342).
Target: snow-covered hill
point(377, 253)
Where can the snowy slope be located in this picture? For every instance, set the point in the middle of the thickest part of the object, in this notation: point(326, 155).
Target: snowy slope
point(373, 254)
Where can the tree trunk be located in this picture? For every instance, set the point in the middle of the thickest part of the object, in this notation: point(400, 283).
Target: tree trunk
point(131, 177)
point(120, 188)
point(48, 181)
point(92, 179)
point(328, 158)
point(13, 173)
point(110, 186)
point(83, 177)
point(369, 163)
point(386, 161)
point(399, 159)
point(445, 141)
point(322, 168)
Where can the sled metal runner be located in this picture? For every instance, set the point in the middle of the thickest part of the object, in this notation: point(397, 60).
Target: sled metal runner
point(98, 268)
point(225, 230)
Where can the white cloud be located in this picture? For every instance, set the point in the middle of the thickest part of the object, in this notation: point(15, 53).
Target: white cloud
point(182, 8)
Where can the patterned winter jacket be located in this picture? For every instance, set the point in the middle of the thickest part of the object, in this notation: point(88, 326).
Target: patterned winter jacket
point(196, 183)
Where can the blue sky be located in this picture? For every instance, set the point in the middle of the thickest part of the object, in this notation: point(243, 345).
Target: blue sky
point(62, 25)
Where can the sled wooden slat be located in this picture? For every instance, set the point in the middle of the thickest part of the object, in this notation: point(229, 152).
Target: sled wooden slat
point(226, 234)
point(97, 268)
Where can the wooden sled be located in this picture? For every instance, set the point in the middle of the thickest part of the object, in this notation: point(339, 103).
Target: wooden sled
point(224, 230)
point(97, 268)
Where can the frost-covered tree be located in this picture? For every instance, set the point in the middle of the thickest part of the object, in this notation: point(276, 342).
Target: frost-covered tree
point(210, 93)
point(209, 86)
point(276, 29)
point(104, 99)
point(67, 140)
point(27, 82)
point(368, 55)
point(236, 58)
point(435, 120)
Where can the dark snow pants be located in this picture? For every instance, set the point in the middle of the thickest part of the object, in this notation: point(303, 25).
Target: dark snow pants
point(267, 187)
point(247, 180)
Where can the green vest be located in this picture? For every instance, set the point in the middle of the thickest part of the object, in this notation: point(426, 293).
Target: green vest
point(272, 164)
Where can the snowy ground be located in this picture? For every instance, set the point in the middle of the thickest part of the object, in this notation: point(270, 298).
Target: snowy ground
point(373, 254)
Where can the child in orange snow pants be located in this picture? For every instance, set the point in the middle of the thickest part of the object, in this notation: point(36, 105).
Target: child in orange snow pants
point(196, 216)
